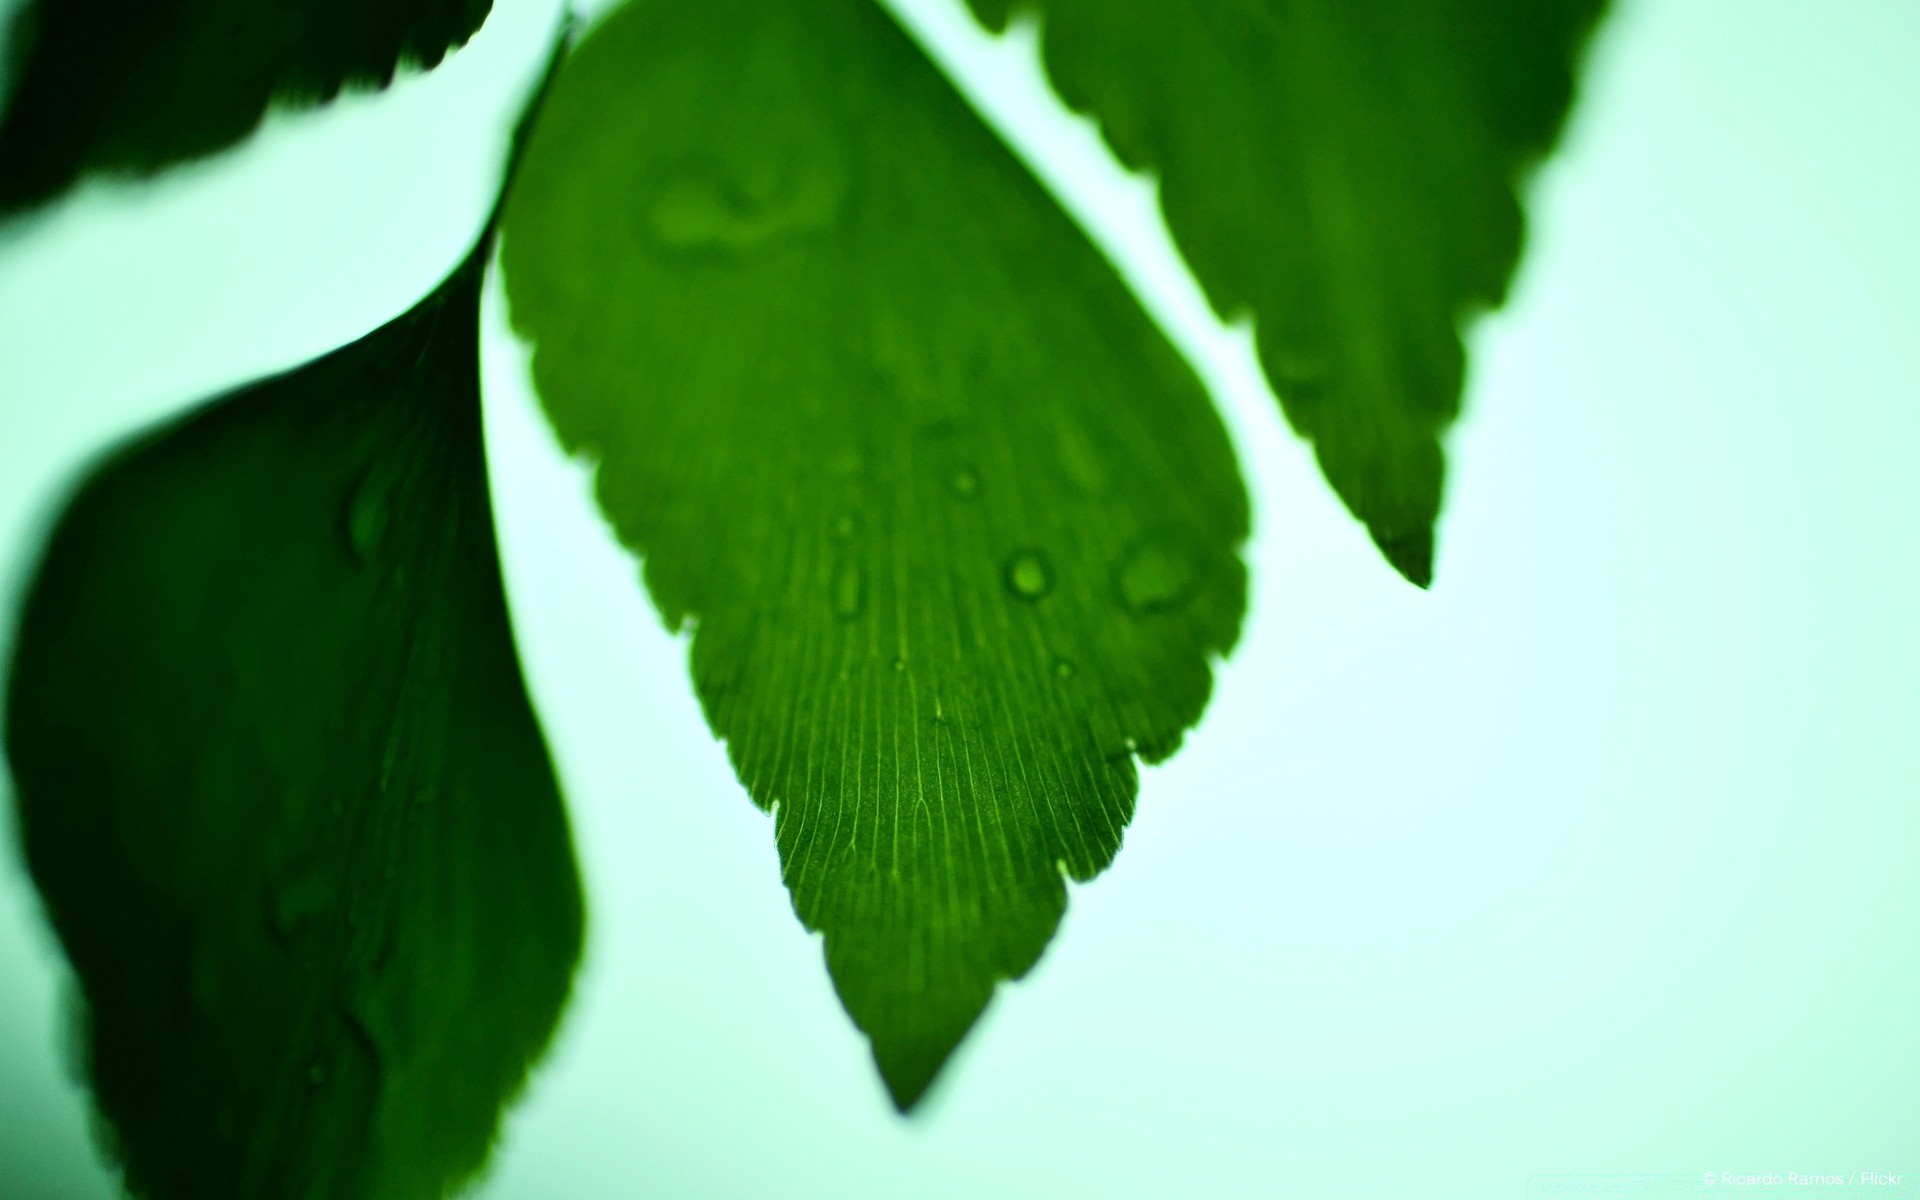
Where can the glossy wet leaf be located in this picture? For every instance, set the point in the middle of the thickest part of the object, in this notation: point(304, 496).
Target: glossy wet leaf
point(127, 87)
point(1345, 171)
point(954, 528)
point(281, 789)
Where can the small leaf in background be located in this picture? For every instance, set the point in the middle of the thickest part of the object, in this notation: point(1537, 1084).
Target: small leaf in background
point(130, 86)
point(954, 527)
point(282, 791)
point(1344, 171)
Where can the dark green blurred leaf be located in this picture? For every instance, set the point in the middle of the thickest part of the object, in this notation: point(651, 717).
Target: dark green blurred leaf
point(281, 789)
point(954, 527)
point(1344, 170)
point(130, 86)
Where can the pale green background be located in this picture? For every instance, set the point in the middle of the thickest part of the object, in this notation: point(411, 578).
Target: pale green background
point(1600, 857)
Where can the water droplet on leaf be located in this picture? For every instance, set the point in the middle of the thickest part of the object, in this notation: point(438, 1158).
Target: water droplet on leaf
point(847, 591)
point(847, 463)
point(706, 206)
point(366, 518)
point(1028, 574)
point(295, 904)
point(1064, 668)
point(846, 525)
point(964, 483)
point(1155, 577)
point(1081, 461)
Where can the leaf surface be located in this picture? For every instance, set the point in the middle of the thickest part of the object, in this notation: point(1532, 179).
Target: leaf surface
point(1345, 171)
point(281, 789)
point(130, 86)
point(954, 528)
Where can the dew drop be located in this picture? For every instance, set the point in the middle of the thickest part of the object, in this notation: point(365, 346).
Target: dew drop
point(1081, 461)
point(316, 1073)
point(365, 519)
point(847, 592)
point(964, 483)
point(1155, 576)
point(846, 525)
point(706, 206)
point(847, 463)
point(294, 905)
point(1028, 574)
point(1064, 668)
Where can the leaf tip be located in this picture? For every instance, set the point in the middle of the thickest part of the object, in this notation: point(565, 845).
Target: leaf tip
point(914, 1040)
point(908, 1075)
point(1411, 554)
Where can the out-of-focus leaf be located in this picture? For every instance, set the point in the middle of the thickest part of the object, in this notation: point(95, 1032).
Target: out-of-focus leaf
point(281, 789)
point(953, 526)
point(130, 86)
point(1344, 170)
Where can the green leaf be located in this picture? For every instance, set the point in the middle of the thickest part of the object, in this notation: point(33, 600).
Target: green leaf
point(281, 788)
point(1344, 171)
point(954, 528)
point(130, 86)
